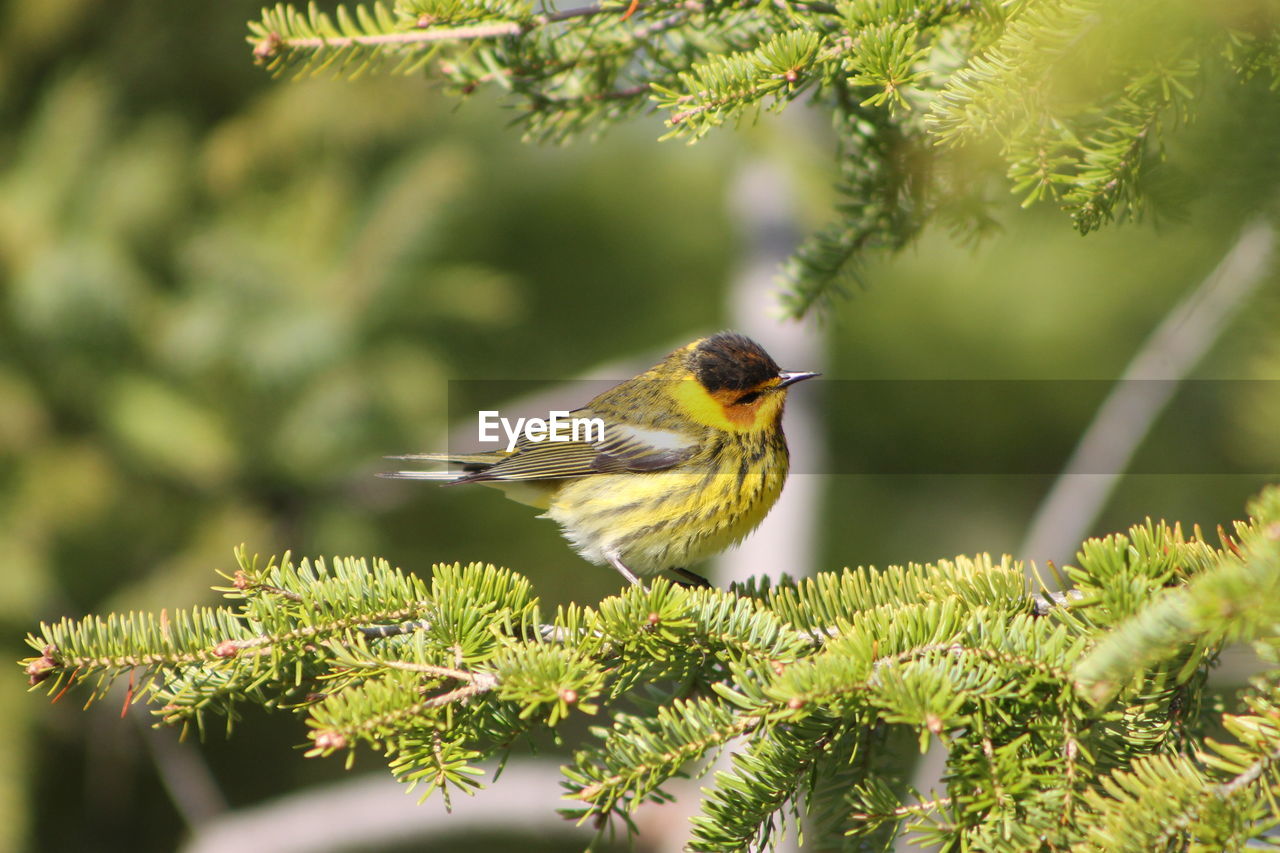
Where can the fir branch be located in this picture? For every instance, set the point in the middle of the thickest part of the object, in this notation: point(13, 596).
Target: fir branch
point(1254, 48)
point(1148, 807)
point(991, 92)
point(722, 86)
point(1236, 597)
point(1080, 95)
point(812, 679)
point(436, 763)
point(890, 59)
point(883, 202)
point(548, 681)
point(382, 710)
point(1265, 763)
point(638, 755)
point(284, 32)
point(876, 804)
point(823, 603)
point(745, 807)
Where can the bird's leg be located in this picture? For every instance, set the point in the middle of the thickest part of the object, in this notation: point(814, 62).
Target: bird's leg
point(690, 579)
point(616, 562)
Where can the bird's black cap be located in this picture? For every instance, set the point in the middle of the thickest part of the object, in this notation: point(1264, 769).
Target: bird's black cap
point(729, 361)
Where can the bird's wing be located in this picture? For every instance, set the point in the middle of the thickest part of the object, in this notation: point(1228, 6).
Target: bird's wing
point(623, 447)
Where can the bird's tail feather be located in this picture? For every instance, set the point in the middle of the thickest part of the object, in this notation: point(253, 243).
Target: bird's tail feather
point(437, 476)
point(481, 458)
point(472, 463)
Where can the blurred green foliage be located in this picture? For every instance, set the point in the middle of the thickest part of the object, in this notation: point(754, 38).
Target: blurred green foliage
point(223, 299)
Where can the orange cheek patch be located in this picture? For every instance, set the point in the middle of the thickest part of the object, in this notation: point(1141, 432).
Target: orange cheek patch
point(741, 416)
point(746, 417)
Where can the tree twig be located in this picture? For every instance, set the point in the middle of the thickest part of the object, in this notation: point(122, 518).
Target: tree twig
point(273, 43)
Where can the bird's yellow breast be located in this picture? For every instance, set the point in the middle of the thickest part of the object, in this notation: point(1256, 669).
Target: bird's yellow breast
point(677, 517)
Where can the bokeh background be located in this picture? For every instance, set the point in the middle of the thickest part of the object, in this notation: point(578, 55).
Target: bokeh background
point(224, 298)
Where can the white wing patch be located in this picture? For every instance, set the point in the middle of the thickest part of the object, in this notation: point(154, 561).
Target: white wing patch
point(658, 439)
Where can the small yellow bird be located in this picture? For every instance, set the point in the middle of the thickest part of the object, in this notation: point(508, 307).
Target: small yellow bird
point(691, 459)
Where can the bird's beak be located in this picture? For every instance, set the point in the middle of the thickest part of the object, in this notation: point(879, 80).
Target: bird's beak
point(791, 377)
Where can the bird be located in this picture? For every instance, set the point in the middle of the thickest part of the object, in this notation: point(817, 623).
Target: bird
point(690, 459)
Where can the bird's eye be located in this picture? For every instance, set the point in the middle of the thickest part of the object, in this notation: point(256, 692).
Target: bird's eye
point(747, 398)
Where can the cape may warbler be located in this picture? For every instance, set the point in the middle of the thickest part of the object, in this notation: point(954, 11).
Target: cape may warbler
point(691, 459)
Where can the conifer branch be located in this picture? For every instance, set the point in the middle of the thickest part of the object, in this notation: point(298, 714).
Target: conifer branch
point(1239, 783)
point(1237, 597)
point(904, 83)
point(270, 46)
point(1079, 725)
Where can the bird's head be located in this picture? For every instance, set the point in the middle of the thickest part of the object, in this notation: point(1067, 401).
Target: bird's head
point(729, 382)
